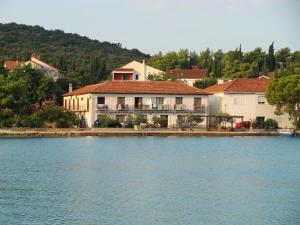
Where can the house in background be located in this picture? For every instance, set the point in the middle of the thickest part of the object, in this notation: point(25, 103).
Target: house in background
point(189, 75)
point(37, 63)
point(119, 99)
point(245, 97)
point(10, 64)
point(134, 71)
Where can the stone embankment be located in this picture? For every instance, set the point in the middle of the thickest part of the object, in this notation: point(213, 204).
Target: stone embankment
point(126, 132)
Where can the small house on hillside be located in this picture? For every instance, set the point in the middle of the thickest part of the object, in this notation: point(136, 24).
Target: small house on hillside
point(134, 71)
point(36, 62)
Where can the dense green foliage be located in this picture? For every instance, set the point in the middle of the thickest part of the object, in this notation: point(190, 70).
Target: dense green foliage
point(205, 83)
point(270, 124)
point(162, 77)
point(24, 95)
point(49, 114)
point(106, 120)
point(83, 60)
point(232, 64)
point(284, 93)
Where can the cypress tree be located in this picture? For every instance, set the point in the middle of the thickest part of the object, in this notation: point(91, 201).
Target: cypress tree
point(271, 58)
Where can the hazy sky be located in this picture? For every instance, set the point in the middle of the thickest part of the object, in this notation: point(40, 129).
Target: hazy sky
point(164, 25)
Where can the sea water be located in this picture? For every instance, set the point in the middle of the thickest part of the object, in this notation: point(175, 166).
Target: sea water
point(150, 180)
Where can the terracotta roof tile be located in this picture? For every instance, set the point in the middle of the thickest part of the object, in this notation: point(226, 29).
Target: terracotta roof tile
point(241, 85)
point(10, 64)
point(189, 73)
point(139, 87)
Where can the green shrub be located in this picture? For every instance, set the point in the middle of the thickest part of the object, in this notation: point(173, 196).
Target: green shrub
point(105, 120)
point(160, 121)
point(129, 122)
point(32, 121)
point(139, 118)
point(270, 124)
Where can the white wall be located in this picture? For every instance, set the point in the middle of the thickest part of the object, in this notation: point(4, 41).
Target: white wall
point(141, 69)
point(111, 101)
point(247, 105)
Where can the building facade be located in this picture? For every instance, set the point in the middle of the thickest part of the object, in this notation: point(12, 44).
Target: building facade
point(134, 71)
point(119, 99)
point(244, 97)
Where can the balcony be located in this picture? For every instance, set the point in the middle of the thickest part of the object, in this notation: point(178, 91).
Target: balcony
point(77, 108)
point(200, 108)
point(177, 108)
point(102, 107)
point(121, 107)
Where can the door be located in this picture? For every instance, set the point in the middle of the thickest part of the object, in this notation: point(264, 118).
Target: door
point(197, 103)
point(138, 102)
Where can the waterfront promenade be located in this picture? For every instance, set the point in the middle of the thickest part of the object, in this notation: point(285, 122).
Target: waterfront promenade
point(127, 132)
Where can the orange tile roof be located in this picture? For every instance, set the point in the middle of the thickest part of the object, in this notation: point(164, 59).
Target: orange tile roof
point(139, 87)
point(189, 73)
point(241, 85)
point(10, 64)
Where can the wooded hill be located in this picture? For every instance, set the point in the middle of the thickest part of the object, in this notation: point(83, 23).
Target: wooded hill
point(84, 60)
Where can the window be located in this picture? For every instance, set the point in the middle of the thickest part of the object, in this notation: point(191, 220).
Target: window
point(237, 100)
point(101, 100)
point(157, 103)
point(197, 103)
point(179, 100)
point(121, 100)
point(65, 103)
point(136, 77)
point(125, 77)
point(261, 100)
point(87, 104)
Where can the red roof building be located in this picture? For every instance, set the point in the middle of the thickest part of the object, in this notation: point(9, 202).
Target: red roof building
point(240, 85)
point(139, 87)
point(10, 64)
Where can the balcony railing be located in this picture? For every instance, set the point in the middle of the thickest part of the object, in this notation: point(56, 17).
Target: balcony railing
point(77, 108)
point(153, 108)
point(121, 107)
point(179, 107)
point(102, 107)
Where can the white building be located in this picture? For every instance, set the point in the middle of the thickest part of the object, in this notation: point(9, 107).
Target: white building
point(37, 63)
point(134, 71)
point(244, 97)
point(172, 100)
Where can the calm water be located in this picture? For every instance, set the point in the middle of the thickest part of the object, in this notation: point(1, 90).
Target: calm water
point(250, 180)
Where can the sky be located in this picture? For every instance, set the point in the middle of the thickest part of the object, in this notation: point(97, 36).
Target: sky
point(167, 25)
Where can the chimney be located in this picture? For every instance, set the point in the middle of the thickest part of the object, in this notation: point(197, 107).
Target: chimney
point(70, 87)
point(145, 70)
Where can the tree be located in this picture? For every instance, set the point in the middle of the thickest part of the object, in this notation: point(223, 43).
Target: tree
point(271, 58)
point(205, 59)
point(282, 56)
point(162, 77)
point(217, 66)
point(201, 84)
point(284, 93)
